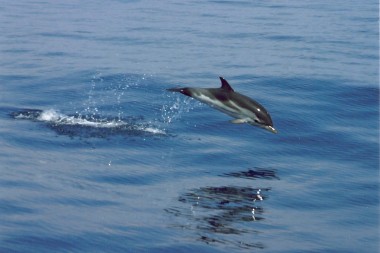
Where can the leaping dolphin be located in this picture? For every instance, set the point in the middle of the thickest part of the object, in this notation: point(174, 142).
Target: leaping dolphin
point(238, 106)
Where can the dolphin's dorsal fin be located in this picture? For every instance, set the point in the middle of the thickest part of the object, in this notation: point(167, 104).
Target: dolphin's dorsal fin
point(225, 84)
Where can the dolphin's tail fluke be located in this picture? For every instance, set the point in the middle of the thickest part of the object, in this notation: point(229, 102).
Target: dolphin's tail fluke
point(184, 91)
point(175, 89)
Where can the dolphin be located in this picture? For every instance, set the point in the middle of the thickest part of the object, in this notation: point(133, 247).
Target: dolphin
point(236, 105)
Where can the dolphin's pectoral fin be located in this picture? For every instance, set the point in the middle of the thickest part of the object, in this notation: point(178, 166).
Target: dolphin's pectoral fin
point(239, 121)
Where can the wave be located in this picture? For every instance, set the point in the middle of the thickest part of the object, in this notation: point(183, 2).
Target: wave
point(89, 126)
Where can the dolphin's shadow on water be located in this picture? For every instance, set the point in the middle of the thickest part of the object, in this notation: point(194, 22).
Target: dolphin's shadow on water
point(224, 215)
point(93, 126)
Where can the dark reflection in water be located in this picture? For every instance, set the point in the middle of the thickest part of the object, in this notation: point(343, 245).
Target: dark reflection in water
point(242, 245)
point(255, 173)
point(229, 198)
point(89, 126)
point(225, 215)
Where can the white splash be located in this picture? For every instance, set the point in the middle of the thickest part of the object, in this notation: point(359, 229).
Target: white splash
point(49, 115)
point(176, 108)
point(59, 118)
point(154, 130)
point(53, 116)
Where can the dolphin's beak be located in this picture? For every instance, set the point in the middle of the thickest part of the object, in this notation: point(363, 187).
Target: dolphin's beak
point(271, 129)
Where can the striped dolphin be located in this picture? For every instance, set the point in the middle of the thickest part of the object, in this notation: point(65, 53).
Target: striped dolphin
point(236, 105)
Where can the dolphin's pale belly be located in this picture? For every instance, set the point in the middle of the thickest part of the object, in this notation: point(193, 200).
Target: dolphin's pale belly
point(228, 107)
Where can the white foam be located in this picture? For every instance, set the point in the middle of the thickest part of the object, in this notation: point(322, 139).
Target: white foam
point(154, 130)
point(49, 115)
point(55, 117)
point(23, 116)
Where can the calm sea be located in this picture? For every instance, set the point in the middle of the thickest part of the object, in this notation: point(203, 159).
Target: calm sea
point(96, 155)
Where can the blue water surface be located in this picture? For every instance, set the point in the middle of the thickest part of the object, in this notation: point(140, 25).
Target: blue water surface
point(96, 155)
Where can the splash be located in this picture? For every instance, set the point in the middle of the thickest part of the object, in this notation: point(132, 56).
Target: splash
point(58, 118)
point(108, 92)
point(89, 126)
point(174, 110)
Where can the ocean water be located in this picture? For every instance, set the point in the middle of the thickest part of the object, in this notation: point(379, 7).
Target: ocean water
point(96, 155)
